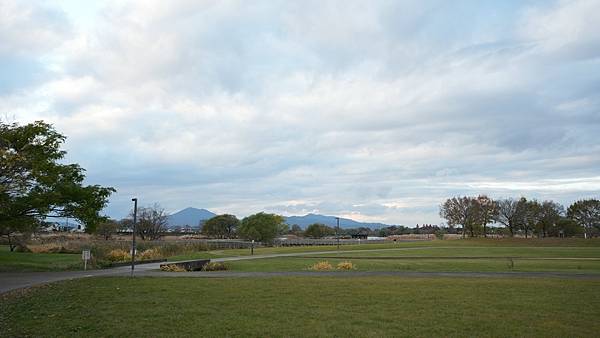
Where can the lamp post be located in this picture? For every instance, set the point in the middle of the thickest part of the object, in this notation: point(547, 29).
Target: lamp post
point(133, 238)
point(337, 232)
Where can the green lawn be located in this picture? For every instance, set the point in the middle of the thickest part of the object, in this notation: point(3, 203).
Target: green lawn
point(305, 306)
point(15, 261)
point(426, 264)
point(25, 261)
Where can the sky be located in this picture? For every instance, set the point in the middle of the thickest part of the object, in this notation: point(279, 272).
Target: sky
point(372, 110)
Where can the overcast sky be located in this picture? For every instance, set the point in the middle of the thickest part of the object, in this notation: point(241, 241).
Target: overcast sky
point(374, 110)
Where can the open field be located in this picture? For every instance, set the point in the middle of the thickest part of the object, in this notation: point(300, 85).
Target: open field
point(532, 248)
point(305, 306)
point(25, 261)
point(424, 264)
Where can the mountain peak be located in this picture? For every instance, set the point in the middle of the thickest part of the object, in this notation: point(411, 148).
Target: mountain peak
point(189, 216)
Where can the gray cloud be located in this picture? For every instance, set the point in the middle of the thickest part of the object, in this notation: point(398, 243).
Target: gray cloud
point(377, 111)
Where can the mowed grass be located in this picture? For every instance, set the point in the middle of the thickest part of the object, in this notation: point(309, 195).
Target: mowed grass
point(305, 307)
point(423, 265)
point(550, 247)
point(26, 261)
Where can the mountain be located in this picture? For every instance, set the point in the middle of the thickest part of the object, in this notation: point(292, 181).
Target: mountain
point(189, 216)
point(306, 220)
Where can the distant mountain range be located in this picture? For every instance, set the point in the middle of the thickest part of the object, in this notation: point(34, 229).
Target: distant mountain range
point(193, 217)
point(189, 216)
point(306, 220)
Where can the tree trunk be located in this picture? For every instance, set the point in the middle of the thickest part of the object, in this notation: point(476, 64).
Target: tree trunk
point(484, 231)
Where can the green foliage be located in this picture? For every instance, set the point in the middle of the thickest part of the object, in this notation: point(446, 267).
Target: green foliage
point(34, 185)
point(221, 226)
point(586, 213)
point(318, 230)
point(262, 227)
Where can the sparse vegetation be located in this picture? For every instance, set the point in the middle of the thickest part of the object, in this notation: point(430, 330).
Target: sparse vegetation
point(321, 266)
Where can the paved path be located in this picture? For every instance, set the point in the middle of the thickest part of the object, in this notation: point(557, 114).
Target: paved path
point(15, 280)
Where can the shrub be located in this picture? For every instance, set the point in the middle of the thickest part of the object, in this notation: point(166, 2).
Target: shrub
point(150, 254)
point(321, 266)
point(215, 266)
point(118, 255)
point(346, 266)
point(172, 268)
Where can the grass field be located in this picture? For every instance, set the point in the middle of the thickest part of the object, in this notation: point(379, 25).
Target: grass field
point(25, 261)
point(551, 247)
point(305, 306)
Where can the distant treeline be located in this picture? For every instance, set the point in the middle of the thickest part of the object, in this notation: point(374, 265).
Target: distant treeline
point(473, 214)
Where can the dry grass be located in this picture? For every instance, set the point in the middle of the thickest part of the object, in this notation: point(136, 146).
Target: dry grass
point(215, 266)
point(172, 268)
point(321, 266)
point(118, 255)
point(346, 266)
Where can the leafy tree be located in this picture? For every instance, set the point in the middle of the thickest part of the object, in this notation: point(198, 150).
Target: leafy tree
point(586, 213)
point(107, 228)
point(487, 209)
point(296, 230)
point(262, 227)
point(318, 230)
point(35, 185)
point(531, 214)
point(461, 211)
point(221, 226)
point(550, 214)
point(151, 222)
point(565, 227)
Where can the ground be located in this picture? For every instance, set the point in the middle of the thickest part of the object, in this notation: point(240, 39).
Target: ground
point(566, 303)
point(306, 306)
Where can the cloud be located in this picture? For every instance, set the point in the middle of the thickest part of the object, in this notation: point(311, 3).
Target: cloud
point(377, 110)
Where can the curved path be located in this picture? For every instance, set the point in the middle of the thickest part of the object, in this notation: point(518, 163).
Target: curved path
point(15, 280)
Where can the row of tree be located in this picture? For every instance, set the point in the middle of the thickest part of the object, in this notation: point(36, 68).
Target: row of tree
point(530, 217)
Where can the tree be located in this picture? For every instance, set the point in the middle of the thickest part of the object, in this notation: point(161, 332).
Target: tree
point(296, 230)
point(511, 213)
point(35, 185)
point(487, 211)
point(550, 214)
point(586, 213)
point(531, 214)
point(151, 222)
point(461, 211)
point(318, 230)
point(107, 228)
point(262, 227)
point(565, 227)
point(221, 226)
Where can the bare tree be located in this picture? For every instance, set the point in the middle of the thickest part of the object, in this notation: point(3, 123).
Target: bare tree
point(152, 222)
point(511, 213)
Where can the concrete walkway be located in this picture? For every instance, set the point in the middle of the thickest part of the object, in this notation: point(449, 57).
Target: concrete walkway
point(15, 280)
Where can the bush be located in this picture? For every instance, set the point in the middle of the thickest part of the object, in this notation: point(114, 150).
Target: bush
point(215, 266)
point(321, 266)
point(172, 268)
point(346, 266)
point(439, 234)
point(150, 254)
point(118, 255)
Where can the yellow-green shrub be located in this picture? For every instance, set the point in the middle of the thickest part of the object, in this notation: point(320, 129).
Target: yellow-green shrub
point(215, 266)
point(321, 266)
point(118, 255)
point(346, 266)
point(150, 254)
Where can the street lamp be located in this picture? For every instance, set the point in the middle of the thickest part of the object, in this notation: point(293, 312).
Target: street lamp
point(133, 239)
point(337, 233)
